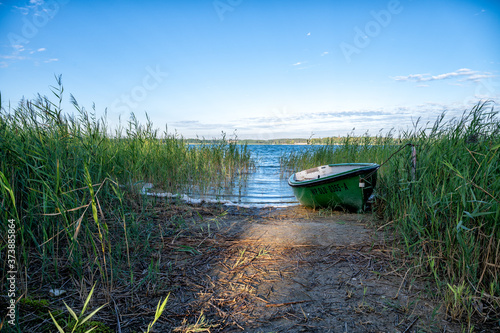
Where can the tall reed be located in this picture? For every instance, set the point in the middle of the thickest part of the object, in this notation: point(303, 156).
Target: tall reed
point(449, 215)
point(64, 179)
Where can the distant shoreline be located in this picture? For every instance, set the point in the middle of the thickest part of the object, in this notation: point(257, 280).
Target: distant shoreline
point(268, 144)
point(338, 141)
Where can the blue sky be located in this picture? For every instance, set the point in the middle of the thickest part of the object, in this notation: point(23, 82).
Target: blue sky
point(267, 69)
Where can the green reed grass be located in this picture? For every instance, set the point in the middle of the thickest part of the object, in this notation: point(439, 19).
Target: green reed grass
point(65, 179)
point(449, 215)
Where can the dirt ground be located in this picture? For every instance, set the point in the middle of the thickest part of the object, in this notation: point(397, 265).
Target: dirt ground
point(264, 270)
point(293, 270)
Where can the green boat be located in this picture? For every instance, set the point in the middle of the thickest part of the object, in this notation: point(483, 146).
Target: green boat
point(345, 185)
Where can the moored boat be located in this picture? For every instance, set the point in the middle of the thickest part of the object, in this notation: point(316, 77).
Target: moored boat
point(345, 185)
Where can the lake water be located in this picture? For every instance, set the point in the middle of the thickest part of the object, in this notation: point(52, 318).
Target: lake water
point(263, 187)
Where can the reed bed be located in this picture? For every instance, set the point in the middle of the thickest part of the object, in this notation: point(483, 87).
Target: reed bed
point(71, 185)
point(448, 214)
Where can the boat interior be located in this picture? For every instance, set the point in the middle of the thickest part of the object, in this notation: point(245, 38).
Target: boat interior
point(324, 171)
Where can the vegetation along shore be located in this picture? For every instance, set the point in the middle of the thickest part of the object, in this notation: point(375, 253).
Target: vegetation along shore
point(448, 213)
point(86, 239)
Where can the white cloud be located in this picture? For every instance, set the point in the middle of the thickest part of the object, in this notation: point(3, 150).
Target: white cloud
point(12, 57)
point(302, 65)
point(51, 60)
point(464, 74)
point(288, 124)
point(3, 64)
point(18, 48)
point(39, 50)
point(284, 123)
point(477, 77)
point(33, 4)
point(324, 53)
point(308, 34)
point(23, 10)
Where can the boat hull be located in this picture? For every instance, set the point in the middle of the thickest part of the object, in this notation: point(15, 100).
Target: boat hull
point(347, 190)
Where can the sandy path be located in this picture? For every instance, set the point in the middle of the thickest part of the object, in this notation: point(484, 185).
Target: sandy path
point(294, 270)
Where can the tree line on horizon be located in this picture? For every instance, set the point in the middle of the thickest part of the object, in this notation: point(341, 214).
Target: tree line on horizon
point(334, 140)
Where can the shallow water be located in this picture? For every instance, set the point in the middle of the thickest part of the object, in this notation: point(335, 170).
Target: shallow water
point(264, 186)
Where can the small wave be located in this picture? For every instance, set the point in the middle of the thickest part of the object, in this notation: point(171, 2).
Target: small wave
point(145, 191)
